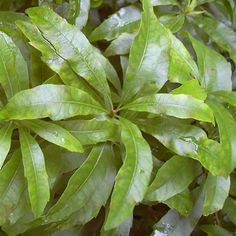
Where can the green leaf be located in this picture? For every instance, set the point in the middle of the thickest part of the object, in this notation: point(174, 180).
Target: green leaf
point(174, 224)
point(35, 172)
point(220, 33)
point(211, 155)
point(182, 202)
point(13, 68)
point(215, 230)
point(78, 12)
point(227, 129)
point(179, 105)
point(121, 45)
point(216, 191)
point(164, 2)
point(133, 177)
point(88, 188)
point(92, 131)
point(148, 63)
point(214, 69)
point(54, 101)
point(192, 88)
point(5, 141)
point(229, 209)
point(55, 134)
point(173, 134)
point(227, 96)
point(53, 60)
point(182, 67)
point(173, 22)
point(127, 19)
point(72, 45)
point(11, 187)
point(169, 182)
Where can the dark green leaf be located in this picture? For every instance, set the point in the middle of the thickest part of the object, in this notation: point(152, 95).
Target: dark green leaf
point(214, 69)
point(88, 188)
point(125, 20)
point(93, 131)
point(216, 191)
point(133, 177)
point(13, 68)
point(179, 105)
point(148, 64)
point(230, 208)
point(54, 134)
point(169, 182)
point(5, 141)
point(35, 172)
point(54, 101)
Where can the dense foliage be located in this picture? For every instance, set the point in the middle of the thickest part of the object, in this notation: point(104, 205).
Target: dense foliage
point(118, 117)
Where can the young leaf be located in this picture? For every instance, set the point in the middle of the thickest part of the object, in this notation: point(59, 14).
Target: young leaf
point(169, 182)
point(125, 20)
point(92, 131)
point(54, 101)
point(216, 191)
point(5, 141)
point(71, 45)
point(89, 187)
point(78, 12)
point(13, 68)
point(227, 129)
point(214, 69)
point(192, 88)
point(55, 134)
point(35, 172)
point(11, 187)
point(179, 105)
point(133, 177)
point(148, 64)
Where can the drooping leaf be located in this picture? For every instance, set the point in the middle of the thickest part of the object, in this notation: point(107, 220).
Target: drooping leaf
point(133, 177)
point(220, 33)
point(13, 68)
point(125, 20)
point(169, 182)
point(93, 131)
point(173, 134)
point(35, 172)
point(78, 13)
point(215, 230)
point(216, 191)
point(229, 209)
point(214, 69)
point(177, 105)
point(227, 129)
point(11, 186)
point(70, 44)
point(88, 189)
point(174, 224)
point(192, 88)
point(54, 101)
point(148, 63)
point(55, 134)
point(5, 141)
